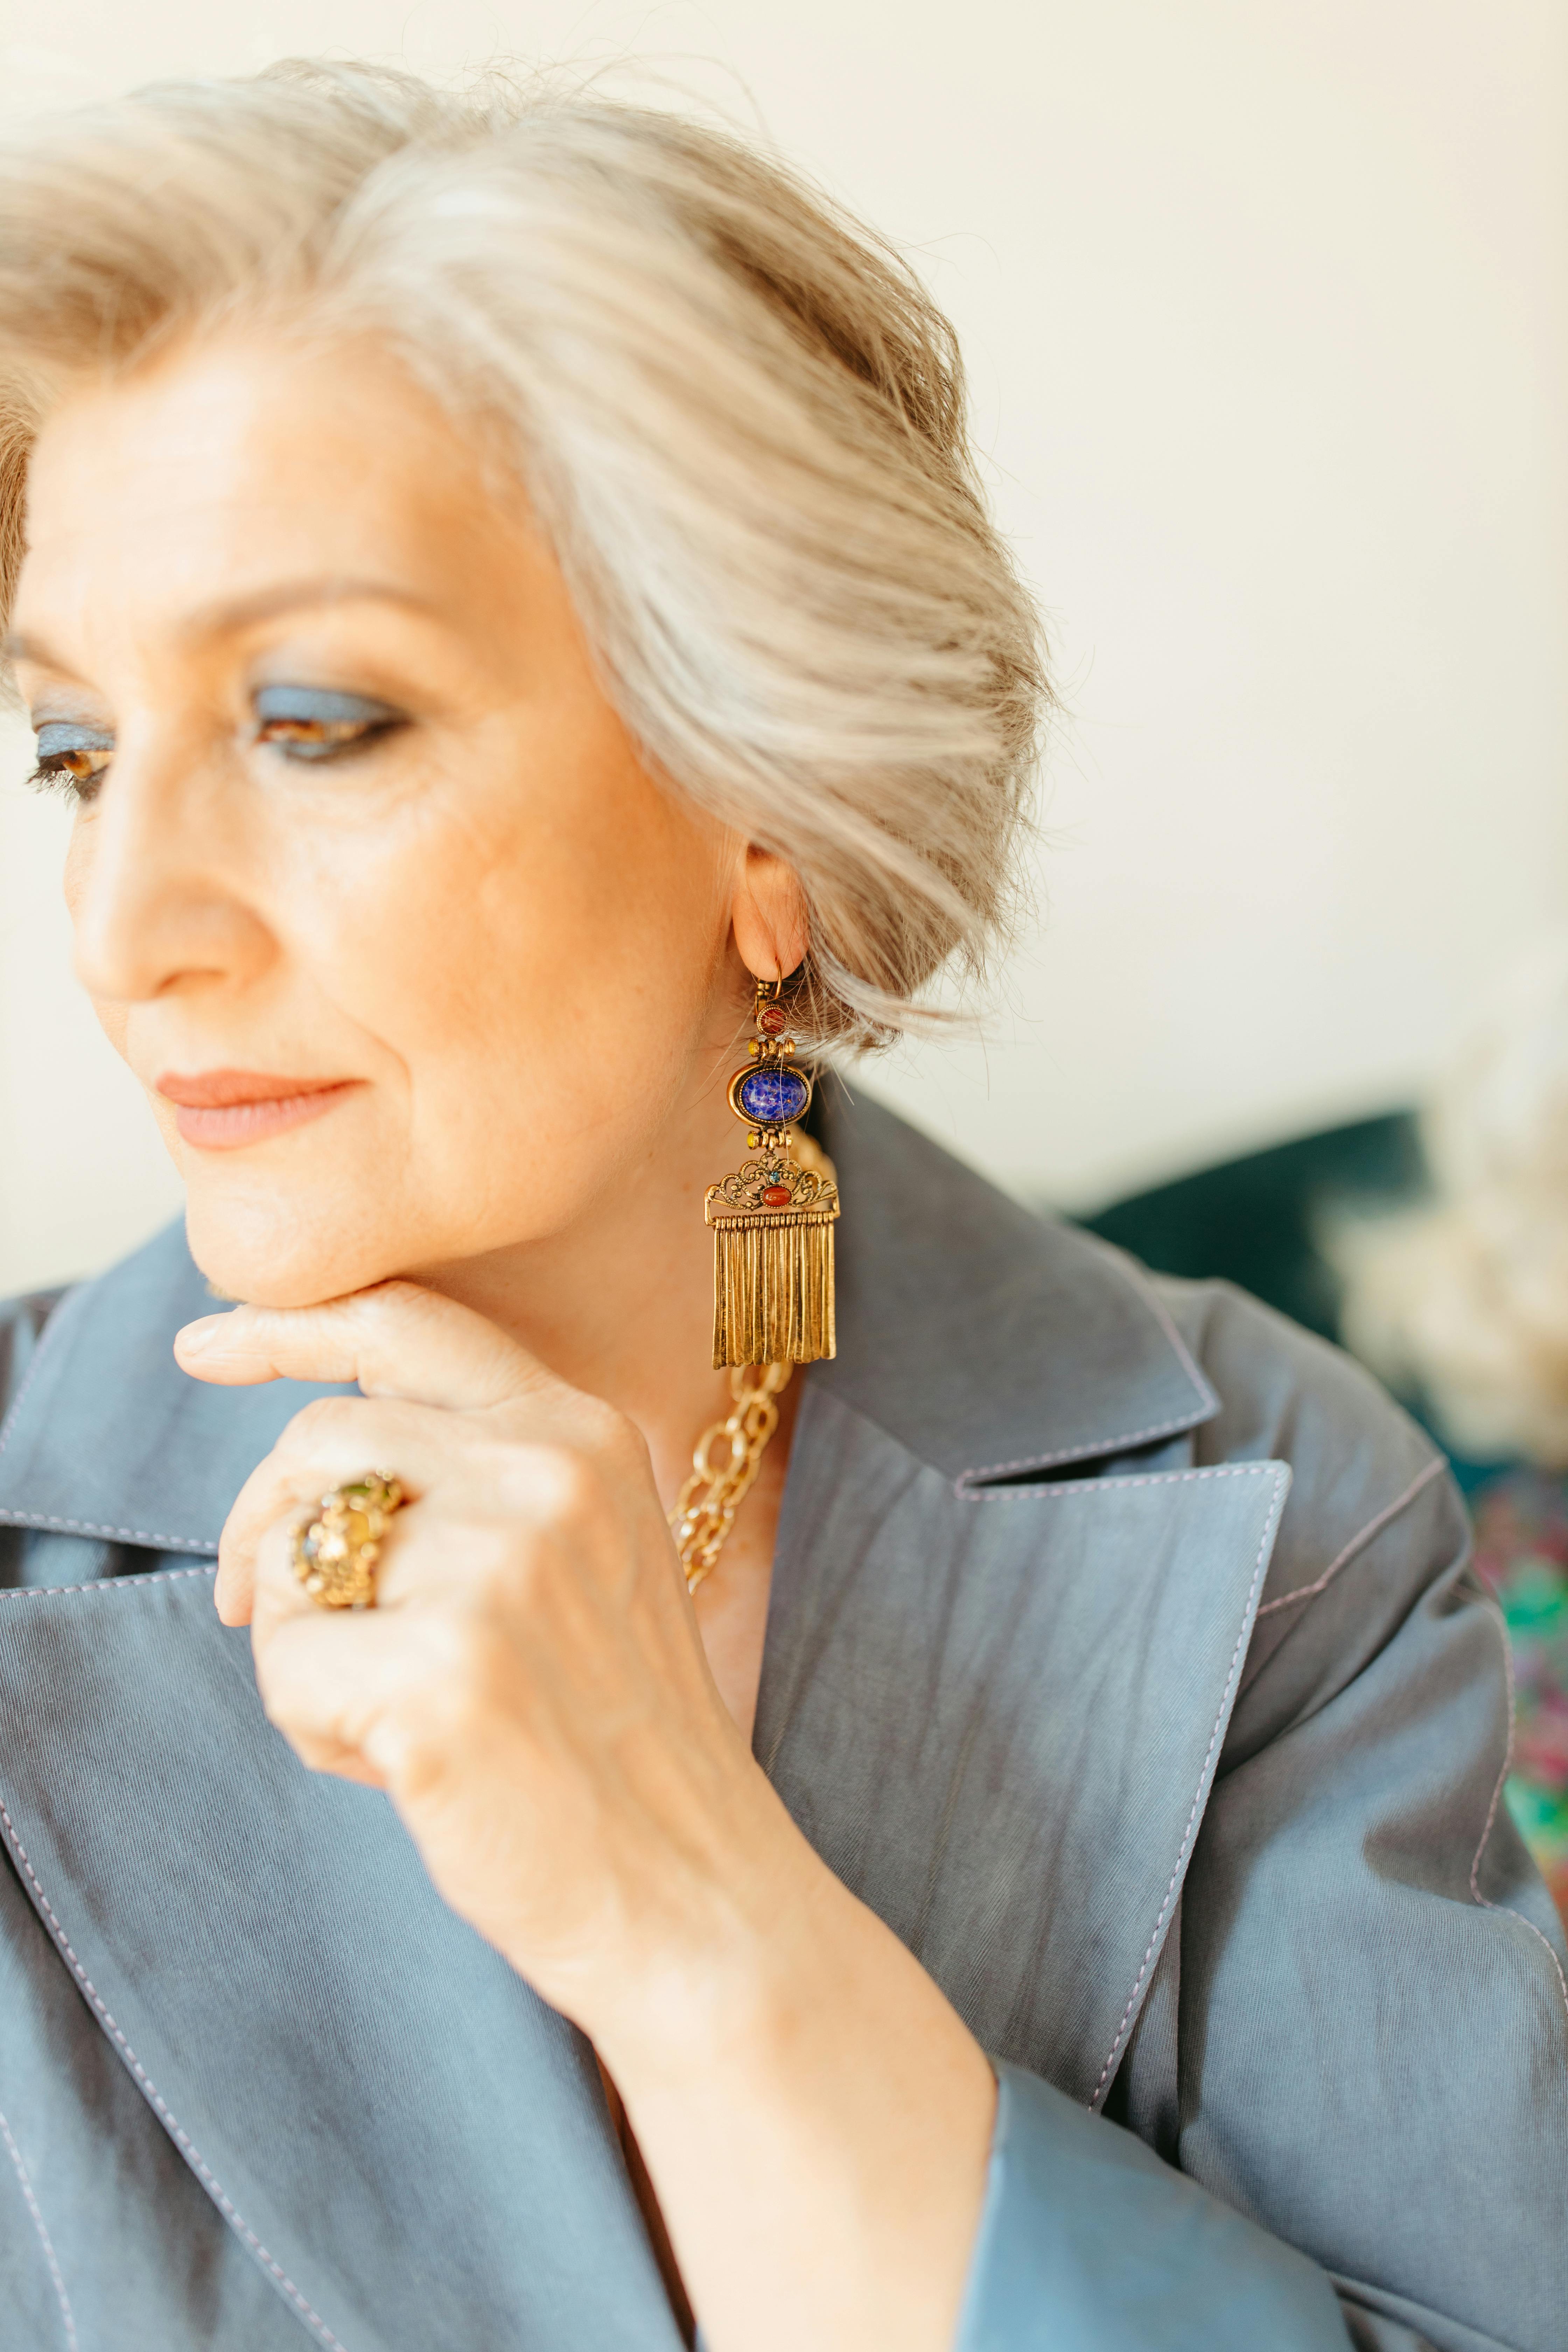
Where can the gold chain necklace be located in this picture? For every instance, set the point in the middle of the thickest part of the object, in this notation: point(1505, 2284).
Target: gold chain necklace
point(705, 1513)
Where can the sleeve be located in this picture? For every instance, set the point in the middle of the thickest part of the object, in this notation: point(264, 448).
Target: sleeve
point(1373, 2016)
point(1343, 2118)
point(1088, 2243)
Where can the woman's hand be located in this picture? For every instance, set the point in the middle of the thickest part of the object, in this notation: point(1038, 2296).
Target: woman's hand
point(533, 1694)
point(531, 1689)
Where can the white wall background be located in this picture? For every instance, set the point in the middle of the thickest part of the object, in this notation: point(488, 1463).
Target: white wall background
point(1266, 307)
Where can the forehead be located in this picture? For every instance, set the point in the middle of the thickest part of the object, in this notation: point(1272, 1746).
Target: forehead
point(229, 461)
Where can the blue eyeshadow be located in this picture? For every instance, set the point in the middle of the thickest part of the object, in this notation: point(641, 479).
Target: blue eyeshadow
point(62, 735)
point(322, 705)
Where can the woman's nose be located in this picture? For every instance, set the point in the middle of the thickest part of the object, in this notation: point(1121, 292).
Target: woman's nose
point(149, 884)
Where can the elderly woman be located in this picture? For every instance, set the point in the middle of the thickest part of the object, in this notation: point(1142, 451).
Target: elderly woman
point(1004, 1854)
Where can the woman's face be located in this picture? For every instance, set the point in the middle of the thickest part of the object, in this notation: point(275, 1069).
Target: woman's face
point(359, 829)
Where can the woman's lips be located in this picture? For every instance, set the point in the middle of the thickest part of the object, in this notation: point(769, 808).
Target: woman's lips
point(221, 1110)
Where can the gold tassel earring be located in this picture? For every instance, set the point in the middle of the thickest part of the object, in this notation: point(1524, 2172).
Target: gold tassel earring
point(772, 1218)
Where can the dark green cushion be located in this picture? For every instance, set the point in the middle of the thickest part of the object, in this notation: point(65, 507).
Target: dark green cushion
point(1253, 1221)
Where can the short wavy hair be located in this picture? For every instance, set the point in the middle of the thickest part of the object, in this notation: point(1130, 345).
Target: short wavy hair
point(736, 411)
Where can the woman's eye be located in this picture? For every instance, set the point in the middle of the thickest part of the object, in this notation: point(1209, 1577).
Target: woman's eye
point(316, 739)
point(72, 759)
point(308, 723)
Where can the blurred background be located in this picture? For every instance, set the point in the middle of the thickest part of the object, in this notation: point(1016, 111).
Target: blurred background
point(1266, 310)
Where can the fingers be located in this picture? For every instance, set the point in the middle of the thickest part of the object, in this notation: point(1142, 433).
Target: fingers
point(348, 1687)
point(397, 1340)
point(335, 1684)
point(401, 1343)
point(407, 1571)
point(512, 1478)
point(331, 1442)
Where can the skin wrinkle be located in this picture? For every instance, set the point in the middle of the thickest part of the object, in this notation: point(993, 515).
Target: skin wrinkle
point(519, 961)
point(502, 896)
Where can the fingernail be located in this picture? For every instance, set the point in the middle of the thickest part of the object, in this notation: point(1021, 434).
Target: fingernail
point(197, 1338)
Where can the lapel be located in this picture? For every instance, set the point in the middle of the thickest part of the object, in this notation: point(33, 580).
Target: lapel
point(413, 2144)
point(994, 1695)
point(997, 1685)
point(109, 1438)
point(997, 1712)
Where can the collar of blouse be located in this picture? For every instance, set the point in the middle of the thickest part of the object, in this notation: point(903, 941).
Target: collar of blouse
point(1007, 1621)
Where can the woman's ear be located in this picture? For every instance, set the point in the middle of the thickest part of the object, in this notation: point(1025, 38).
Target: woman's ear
point(768, 917)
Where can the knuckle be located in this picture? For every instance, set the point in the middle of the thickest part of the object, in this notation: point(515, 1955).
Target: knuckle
point(616, 1443)
point(493, 1561)
point(470, 1652)
point(267, 1494)
point(564, 1485)
point(397, 1304)
point(572, 1477)
point(321, 1424)
point(395, 1294)
point(414, 1747)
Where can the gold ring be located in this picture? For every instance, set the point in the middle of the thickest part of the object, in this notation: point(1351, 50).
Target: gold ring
point(337, 1550)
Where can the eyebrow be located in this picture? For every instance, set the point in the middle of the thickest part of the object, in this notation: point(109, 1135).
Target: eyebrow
point(19, 647)
point(228, 616)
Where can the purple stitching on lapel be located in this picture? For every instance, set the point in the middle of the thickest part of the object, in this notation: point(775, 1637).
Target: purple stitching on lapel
point(148, 2087)
point(1101, 1485)
point(1372, 1527)
point(1207, 1395)
point(51, 1332)
point(45, 2240)
point(101, 1585)
point(1500, 1621)
point(1281, 1488)
point(966, 1482)
point(42, 1520)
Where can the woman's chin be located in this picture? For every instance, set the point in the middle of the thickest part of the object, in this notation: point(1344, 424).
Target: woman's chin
point(289, 1261)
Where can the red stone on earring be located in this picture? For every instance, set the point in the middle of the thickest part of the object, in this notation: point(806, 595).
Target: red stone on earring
point(776, 1196)
point(771, 1020)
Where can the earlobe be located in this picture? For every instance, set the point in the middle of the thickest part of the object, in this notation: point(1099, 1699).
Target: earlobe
point(769, 916)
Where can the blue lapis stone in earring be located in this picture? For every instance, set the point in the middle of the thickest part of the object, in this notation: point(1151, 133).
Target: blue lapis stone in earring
point(772, 1218)
point(772, 1096)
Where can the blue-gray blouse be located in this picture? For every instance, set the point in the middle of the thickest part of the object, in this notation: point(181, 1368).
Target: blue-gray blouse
point(1123, 1655)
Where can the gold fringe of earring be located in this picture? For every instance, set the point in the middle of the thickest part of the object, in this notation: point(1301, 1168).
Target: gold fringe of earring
point(772, 1218)
point(773, 1289)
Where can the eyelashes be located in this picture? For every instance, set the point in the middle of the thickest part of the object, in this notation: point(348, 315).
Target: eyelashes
point(303, 724)
point(71, 760)
point(311, 723)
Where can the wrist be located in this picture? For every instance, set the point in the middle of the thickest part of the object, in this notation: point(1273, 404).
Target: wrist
point(728, 1989)
point(811, 2085)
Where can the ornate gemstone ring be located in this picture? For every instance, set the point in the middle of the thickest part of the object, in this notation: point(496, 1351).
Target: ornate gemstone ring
point(337, 1550)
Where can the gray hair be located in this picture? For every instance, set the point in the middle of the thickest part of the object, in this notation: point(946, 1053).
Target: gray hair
point(736, 411)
